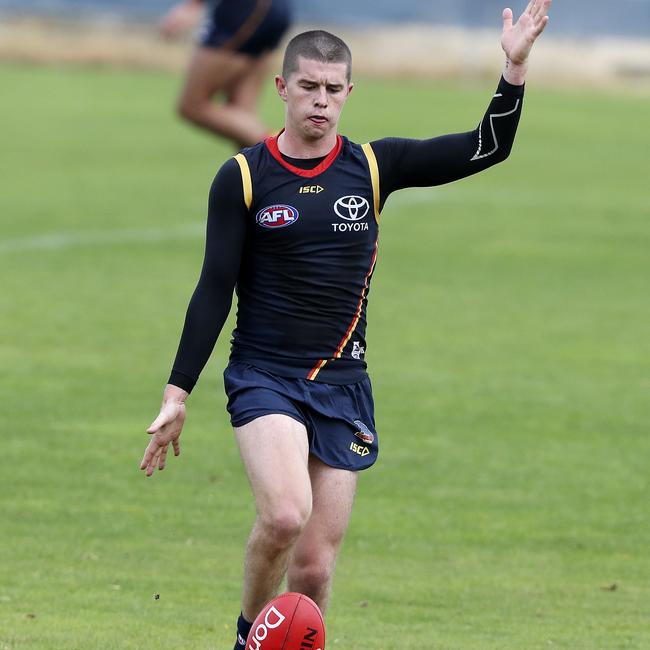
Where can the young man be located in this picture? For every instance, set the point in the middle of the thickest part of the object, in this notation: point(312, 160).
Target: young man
point(232, 59)
point(293, 225)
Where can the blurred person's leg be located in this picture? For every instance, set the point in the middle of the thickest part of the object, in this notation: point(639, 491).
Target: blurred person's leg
point(228, 69)
point(239, 78)
point(246, 92)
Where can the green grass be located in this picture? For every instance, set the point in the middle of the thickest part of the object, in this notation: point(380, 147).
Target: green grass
point(509, 350)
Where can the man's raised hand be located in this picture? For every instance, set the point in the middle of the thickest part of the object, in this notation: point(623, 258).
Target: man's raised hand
point(517, 39)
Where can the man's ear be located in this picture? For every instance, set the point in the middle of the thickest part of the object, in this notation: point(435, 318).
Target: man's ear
point(350, 87)
point(281, 87)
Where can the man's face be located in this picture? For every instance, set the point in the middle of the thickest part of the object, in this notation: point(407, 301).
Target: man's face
point(315, 95)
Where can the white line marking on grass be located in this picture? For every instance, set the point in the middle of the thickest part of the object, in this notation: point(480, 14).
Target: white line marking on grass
point(64, 240)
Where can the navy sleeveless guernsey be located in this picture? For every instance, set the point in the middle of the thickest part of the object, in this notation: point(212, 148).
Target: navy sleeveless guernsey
point(299, 245)
point(309, 258)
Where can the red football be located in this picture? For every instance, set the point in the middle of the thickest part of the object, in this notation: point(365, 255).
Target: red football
point(289, 622)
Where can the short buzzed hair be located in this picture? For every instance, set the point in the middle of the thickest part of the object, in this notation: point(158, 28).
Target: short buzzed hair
point(316, 45)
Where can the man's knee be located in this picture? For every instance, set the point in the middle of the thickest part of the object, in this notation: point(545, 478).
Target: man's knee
point(189, 109)
point(282, 525)
point(314, 572)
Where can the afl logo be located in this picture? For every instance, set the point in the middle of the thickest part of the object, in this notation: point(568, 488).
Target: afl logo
point(277, 216)
point(351, 208)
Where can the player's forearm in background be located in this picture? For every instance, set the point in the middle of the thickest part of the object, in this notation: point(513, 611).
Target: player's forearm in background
point(212, 298)
point(421, 163)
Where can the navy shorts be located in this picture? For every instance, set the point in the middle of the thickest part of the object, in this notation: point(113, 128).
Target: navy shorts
point(340, 420)
point(250, 27)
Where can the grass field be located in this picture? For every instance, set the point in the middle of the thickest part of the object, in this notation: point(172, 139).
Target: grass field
point(508, 343)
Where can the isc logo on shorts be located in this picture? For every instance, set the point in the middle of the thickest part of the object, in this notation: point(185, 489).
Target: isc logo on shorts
point(359, 449)
point(277, 216)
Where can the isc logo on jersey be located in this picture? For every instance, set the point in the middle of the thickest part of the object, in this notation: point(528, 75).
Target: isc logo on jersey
point(277, 216)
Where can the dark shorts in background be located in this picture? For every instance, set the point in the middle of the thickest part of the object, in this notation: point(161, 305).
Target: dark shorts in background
point(340, 420)
point(250, 27)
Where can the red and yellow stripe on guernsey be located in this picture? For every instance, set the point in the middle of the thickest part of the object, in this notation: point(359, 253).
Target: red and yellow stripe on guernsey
point(316, 369)
point(353, 325)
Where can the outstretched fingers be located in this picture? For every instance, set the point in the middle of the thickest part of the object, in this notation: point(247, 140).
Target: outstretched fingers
point(153, 462)
point(542, 9)
point(541, 17)
point(162, 457)
point(149, 454)
point(154, 456)
point(541, 26)
point(507, 18)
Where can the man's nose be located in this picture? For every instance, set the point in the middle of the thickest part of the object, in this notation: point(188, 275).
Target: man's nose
point(321, 97)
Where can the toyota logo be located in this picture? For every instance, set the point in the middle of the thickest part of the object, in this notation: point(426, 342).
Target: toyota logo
point(352, 208)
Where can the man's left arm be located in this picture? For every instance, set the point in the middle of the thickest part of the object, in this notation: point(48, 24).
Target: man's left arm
point(419, 163)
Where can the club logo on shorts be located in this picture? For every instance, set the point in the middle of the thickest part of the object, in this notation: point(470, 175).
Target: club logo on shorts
point(364, 432)
point(352, 208)
point(359, 449)
point(277, 216)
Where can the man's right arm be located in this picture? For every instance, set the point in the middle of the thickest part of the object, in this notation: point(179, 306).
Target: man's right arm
point(421, 163)
point(406, 162)
point(212, 298)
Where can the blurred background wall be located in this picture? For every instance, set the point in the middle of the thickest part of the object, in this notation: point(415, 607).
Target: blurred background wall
point(577, 17)
point(591, 43)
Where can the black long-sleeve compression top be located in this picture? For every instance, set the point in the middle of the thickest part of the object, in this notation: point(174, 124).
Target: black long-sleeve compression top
point(231, 246)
